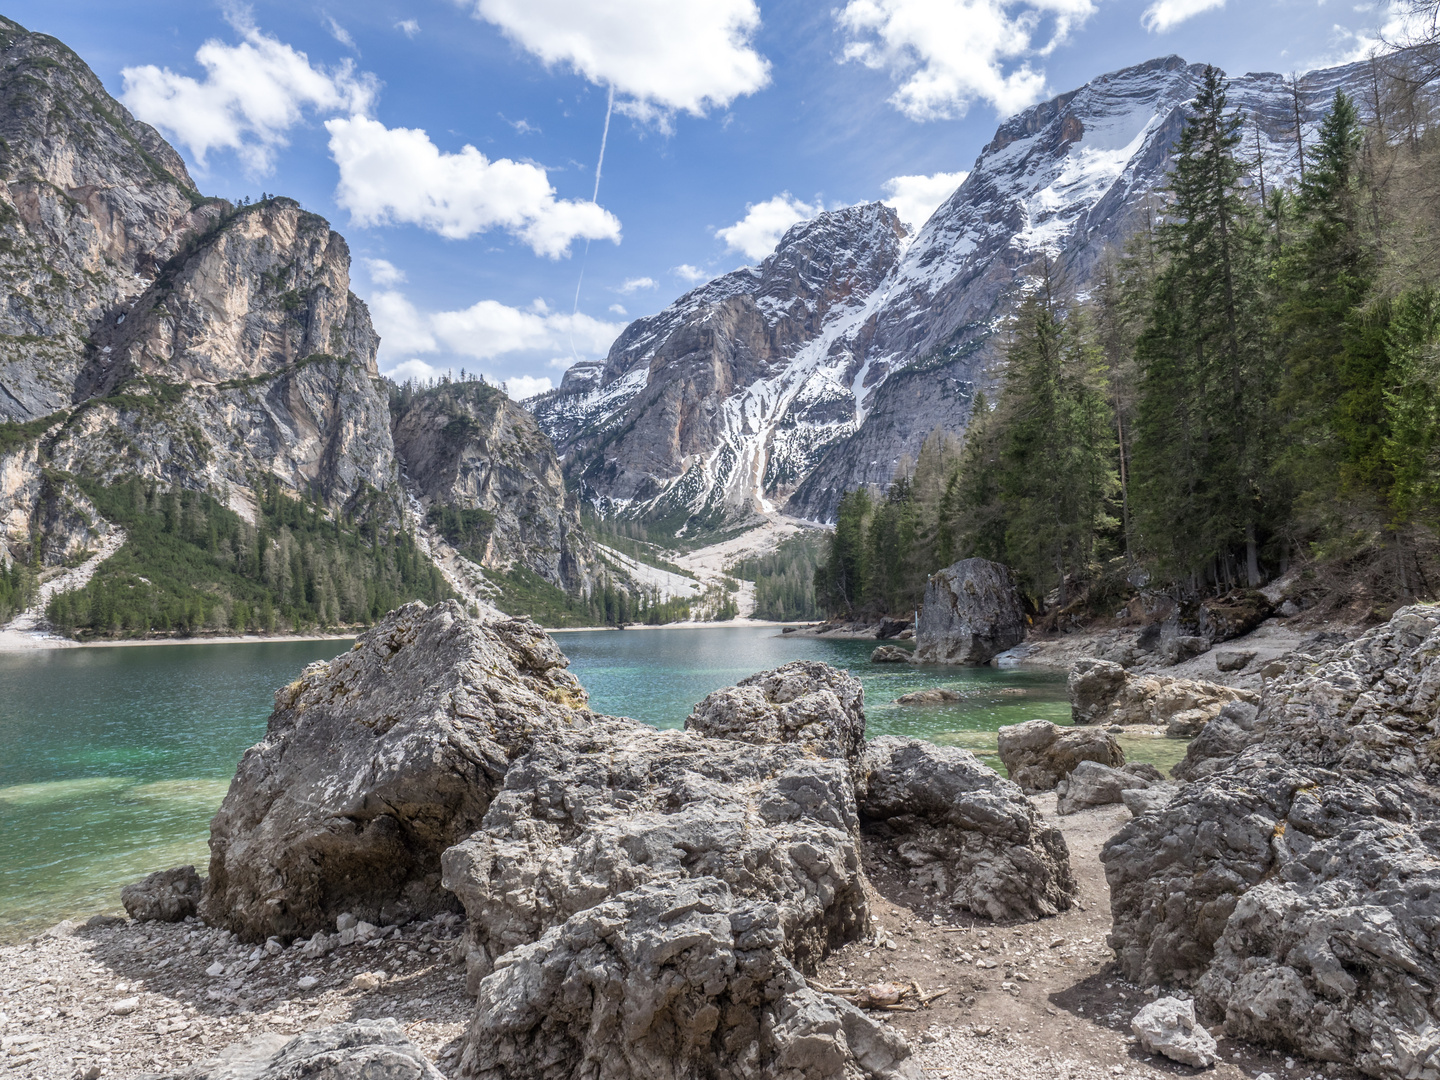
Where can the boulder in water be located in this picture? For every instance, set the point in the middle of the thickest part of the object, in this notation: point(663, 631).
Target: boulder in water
point(889, 654)
point(972, 612)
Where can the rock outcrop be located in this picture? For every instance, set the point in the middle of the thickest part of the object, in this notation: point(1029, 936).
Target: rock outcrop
point(1091, 784)
point(1038, 754)
point(805, 702)
point(164, 896)
point(972, 611)
point(1103, 692)
point(375, 763)
point(958, 829)
point(1293, 884)
point(468, 448)
point(358, 1050)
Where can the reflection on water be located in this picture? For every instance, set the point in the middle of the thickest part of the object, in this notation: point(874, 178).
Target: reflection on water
point(112, 761)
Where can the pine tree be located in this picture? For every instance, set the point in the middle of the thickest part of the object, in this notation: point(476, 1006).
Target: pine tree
point(1203, 434)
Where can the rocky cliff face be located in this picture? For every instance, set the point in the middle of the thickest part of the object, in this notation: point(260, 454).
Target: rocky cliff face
point(721, 403)
point(913, 338)
point(468, 446)
point(148, 331)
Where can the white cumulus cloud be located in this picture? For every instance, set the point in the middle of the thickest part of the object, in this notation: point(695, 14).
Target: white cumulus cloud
point(916, 197)
point(947, 54)
point(618, 309)
point(757, 233)
point(689, 274)
point(1165, 15)
point(383, 272)
point(520, 387)
point(398, 176)
point(660, 56)
point(635, 284)
point(408, 27)
point(487, 330)
point(251, 95)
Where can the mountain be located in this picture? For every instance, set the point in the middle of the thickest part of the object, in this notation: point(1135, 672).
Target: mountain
point(149, 334)
point(741, 396)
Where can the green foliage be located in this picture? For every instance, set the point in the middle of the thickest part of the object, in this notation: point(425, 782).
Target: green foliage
point(785, 578)
point(189, 564)
point(17, 434)
point(17, 589)
point(842, 581)
point(468, 531)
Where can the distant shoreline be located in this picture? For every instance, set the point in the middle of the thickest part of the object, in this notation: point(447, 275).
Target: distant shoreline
point(21, 642)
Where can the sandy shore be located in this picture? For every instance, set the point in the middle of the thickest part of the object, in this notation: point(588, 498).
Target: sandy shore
point(31, 641)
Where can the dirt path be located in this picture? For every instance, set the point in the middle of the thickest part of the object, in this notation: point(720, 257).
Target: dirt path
point(1030, 1001)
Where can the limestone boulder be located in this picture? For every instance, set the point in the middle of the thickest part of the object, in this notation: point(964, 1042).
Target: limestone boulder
point(890, 654)
point(957, 828)
point(674, 978)
point(802, 702)
point(595, 812)
point(1091, 784)
point(971, 612)
point(1233, 615)
point(373, 764)
point(1039, 754)
point(1167, 1026)
point(1182, 706)
point(1093, 685)
point(164, 896)
point(934, 695)
point(1294, 883)
point(358, 1050)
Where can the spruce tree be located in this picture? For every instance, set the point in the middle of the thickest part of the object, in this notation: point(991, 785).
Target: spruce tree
point(1203, 434)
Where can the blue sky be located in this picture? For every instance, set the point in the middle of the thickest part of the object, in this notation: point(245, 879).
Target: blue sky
point(730, 119)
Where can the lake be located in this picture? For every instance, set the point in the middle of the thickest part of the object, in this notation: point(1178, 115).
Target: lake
point(112, 760)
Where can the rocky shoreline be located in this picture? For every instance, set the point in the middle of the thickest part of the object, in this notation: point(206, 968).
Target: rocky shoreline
point(440, 860)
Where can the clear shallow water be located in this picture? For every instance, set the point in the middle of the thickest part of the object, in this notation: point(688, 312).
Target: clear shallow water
point(112, 761)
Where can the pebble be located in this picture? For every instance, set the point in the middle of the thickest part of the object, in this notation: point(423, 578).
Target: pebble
point(308, 982)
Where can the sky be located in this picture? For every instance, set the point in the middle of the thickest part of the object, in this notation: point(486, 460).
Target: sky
point(455, 143)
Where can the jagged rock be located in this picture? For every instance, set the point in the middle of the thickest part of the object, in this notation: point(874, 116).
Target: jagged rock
point(1143, 800)
point(1294, 885)
point(1092, 784)
point(164, 896)
point(677, 978)
point(1234, 659)
point(1168, 1026)
point(358, 1050)
point(890, 628)
point(1183, 705)
point(590, 813)
point(1232, 730)
point(1093, 685)
point(890, 654)
point(1182, 647)
point(1233, 615)
point(373, 764)
point(1038, 754)
point(467, 445)
point(805, 701)
point(935, 695)
point(960, 829)
point(972, 611)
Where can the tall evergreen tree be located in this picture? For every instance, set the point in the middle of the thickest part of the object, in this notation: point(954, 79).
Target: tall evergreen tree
point(1203, 439)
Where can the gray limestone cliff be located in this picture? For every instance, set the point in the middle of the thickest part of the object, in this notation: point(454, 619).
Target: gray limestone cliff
point(468, 446)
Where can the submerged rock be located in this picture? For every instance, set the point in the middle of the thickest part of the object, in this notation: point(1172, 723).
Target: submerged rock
point(1294, 882)
point(1039, 754)
point(164, 896)
point(972, 611)
point(890, 654)
point(373, 764)
point(935, 695)
point(960, 829)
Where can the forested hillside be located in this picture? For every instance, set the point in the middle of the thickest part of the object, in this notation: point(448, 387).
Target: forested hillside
point(1252, 384)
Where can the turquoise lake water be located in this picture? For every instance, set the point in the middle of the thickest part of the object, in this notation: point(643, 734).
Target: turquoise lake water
point(112, 760)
